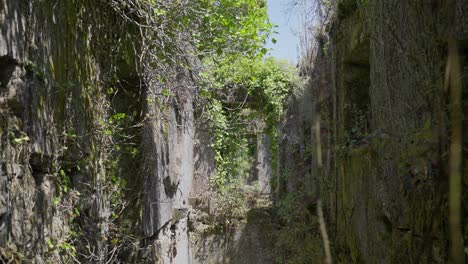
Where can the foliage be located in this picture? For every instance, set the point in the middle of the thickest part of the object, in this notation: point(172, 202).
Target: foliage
point(219, 32)
point(65, 250)
point(267, 82)
point(11, 255)
point(212, 27)
point(245, 97)
point(95, 52)
point(233, 25)
point(233, 203)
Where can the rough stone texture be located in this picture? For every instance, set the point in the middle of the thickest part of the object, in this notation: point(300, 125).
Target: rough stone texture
point(28, 144)
point(52, 142)
point(263, 160)
point(384, 131)
point(246, 242)
point(404, 179)
point(294, 159)
point(168, 150)
point(204, 161)
point(13, 22)
point(386, 193)
point(65, 70)
point(26, 173)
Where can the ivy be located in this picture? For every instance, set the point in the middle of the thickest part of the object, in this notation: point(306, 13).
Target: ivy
point(233, 26)
point(175, 30)
point(240, 93)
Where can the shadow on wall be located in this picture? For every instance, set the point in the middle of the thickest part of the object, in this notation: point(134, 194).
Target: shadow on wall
point(248, 242)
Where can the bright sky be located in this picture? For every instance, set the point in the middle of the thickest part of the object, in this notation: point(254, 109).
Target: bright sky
point(287, 42)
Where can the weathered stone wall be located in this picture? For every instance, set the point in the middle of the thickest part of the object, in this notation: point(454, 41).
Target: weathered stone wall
point(294, 157)
point(246, 240)
point(96, 159)
point(204, 161)
point(264, 170)
point(66, 163)
point(386, 190)
point(384, 130)
point(45, 96)
point(168, 150)
point(379, 117)
point(392, 178)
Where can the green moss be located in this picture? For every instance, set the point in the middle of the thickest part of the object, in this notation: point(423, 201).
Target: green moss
point(346, 7)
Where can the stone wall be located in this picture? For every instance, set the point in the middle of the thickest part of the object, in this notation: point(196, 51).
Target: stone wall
point(65, 71)
point(385, 127)
point(43, 96)
point(168, 151)
point(97, 161)
point(392, 179)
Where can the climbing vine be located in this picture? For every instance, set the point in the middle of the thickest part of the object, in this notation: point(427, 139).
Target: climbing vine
point(102, 54)
point(245, 98)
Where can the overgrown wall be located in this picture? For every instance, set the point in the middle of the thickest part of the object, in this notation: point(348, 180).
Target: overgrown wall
point(96, 165)
point(385, 129)
point(52, 140)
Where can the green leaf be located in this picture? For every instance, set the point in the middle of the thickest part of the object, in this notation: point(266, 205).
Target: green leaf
point(21, 140)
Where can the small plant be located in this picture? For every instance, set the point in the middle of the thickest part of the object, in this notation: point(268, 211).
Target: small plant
point(231, 205)
point(63, 250)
